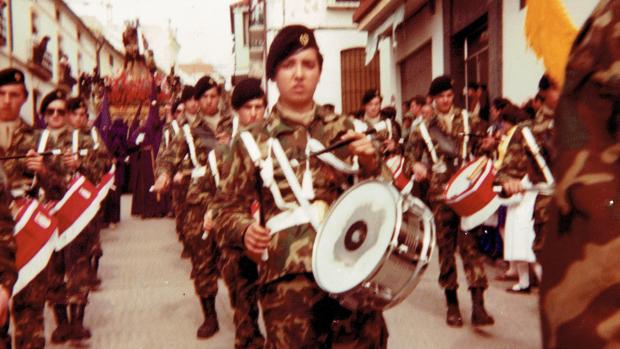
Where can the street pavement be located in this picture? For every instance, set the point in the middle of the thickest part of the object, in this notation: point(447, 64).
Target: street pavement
point(147, 300)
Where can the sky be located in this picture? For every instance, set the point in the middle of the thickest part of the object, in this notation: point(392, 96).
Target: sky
point(202, 26)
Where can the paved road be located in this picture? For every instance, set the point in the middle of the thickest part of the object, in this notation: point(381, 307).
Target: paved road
point(147, 301)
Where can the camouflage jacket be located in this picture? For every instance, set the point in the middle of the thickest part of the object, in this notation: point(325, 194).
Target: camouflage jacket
point(291, 249)
point(21, 180)
point(447, 134)
point(518, 161)
point(202, 189)
point(172, 158)
point(94, 162)
point(8, 271)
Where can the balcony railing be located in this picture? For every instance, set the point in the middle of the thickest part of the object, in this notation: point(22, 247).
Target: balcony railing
point(42, 69)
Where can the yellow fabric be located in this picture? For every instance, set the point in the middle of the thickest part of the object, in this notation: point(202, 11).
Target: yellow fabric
point(503, 147)
point(550, 33)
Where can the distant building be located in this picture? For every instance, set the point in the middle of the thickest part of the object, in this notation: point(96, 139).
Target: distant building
point(52, 45)
point(472, 40)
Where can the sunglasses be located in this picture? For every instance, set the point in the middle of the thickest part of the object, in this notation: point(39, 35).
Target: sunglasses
point(52, 111)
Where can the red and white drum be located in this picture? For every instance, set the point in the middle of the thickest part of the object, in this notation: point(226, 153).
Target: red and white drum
point(470, 193)
point(76, 209)
point(35, 236)
point(396, 164)
point(373, 246)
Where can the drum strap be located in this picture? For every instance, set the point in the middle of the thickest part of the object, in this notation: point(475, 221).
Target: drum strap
point(235, 126)
point(175, 127)
point(503, 147)
point(189, 139)
point(266, 169)
point(467, 131)
point(285, 165)
point(213, 166)
point(540, 160)
point(95, 135)
point(43, 141)
point(167, 137)
point(428, 141)
point(75, 142)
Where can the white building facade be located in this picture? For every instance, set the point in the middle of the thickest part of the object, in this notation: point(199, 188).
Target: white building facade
point(471, 40)
point(27, 23)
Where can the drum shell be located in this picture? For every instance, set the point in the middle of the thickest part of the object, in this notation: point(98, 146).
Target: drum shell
point(402, 265)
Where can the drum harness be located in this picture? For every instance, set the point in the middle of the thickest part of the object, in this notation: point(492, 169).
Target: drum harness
point(303, 212)
point(545, 188)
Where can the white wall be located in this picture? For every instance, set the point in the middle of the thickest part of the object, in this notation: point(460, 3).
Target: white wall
point(242, 51)
point(521, 68)
point(334, 32)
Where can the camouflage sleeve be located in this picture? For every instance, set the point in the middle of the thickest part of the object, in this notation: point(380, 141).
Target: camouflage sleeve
point(8, 270)
point(96, 162)
point(172, 157)
point(339, 127)
point(231, 205)
point(516, 162)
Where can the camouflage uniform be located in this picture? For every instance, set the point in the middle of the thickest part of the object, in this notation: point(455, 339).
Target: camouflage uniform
point(29, 303)
point(579, 293)
point(179, 191)
point(291, 300)
point(238, 271)
point(449, 235)
point(517, 163)
point(8, 271)
point(202, 250)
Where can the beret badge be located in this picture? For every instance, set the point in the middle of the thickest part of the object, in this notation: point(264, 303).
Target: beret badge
point(304, 39)
point(18, 77)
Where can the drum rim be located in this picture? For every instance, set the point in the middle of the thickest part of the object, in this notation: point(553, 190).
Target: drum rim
point(475, 182)
point(388, 250)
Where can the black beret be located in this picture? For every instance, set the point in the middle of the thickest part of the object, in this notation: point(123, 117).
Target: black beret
point(246, 90)
point(289, 40)
point(473, 85)
point(203, 85)
point(76, 103)
point(513, 114)
point(369, 95)
point(12, 76)
point(187, 93)
point(440, 84)
point(50, 97)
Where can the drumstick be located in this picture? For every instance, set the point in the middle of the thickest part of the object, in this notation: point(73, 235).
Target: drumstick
point(477, 170)
point(47, 153)
point(339, 144)
point(258, 186)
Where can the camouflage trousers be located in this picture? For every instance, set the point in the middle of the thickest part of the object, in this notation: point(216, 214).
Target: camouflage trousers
point(541, 217)
point(240, 275)
point(449, 238)
point(28, 307)
point(57, 287)
point(77, 265)
point(179, 193)
point(203, 250)
point(298, 314)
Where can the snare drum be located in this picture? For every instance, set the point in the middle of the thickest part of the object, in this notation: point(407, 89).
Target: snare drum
point(373, 246)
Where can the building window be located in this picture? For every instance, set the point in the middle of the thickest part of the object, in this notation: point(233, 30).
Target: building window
point(3, 31)
point(356, 77)
point(79, 35)
point(57, 14)
point(246, 28)
point(111, 60)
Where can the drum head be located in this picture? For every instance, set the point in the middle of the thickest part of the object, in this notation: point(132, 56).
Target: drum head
point(355, 236)
point(467, 179)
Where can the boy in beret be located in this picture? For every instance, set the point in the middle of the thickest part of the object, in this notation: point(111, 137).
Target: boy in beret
point(196, 140)
point(238, 271)
point(297, 313)
point(12, 97)
point(82, 254)
point(448, 128)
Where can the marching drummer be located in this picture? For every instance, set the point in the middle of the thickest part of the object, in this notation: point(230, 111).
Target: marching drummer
point(444, 145)
point(238, 271)
point(195, 141)
point(26, 175)
point(297, 312)
point(83, 253)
